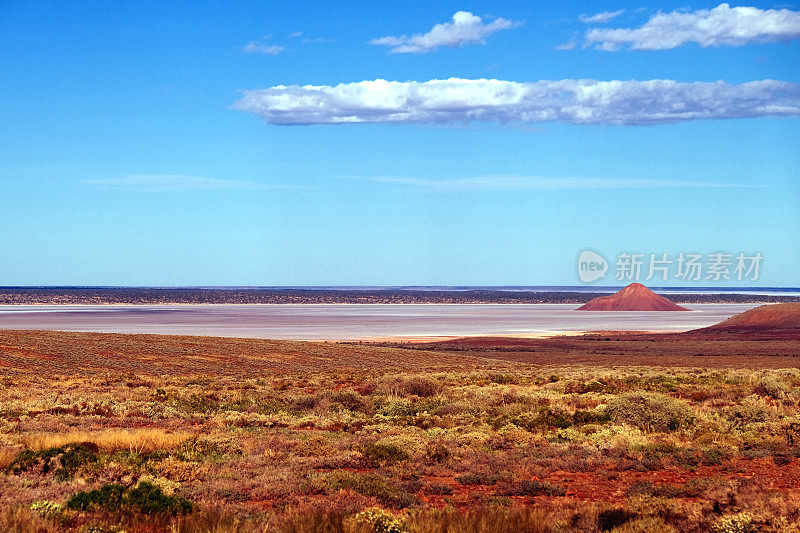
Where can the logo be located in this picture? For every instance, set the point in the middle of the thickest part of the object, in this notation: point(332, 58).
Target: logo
point(684, 266)
point(591, 266)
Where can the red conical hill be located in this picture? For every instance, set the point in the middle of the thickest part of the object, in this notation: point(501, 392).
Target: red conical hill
point(634, 297)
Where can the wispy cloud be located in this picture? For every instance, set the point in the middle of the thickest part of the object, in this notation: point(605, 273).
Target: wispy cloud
point(309, 40)
point(173, 182)
point(464, 29)
point(254, 47)
point(456, 100)
point(569, 45)
point(513, 183)
point(601, 18)
point(720, 26)
point(317, 40)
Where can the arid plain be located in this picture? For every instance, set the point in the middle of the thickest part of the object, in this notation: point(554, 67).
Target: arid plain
point(696, 431)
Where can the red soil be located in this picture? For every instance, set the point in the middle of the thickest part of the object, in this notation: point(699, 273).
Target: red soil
point(634, 297)
point(610, 487)
point(717, 348)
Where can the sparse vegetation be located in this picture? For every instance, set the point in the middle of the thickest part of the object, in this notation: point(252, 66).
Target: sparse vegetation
point(482, 445)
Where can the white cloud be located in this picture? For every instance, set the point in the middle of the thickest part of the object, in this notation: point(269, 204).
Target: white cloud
point(258, 48)
point(569, 45)
point(512, 183)
point(170, 182)
point(465, 28)
point(601, 18)
point(316, 40)
point(573, 101)
point(720, 26)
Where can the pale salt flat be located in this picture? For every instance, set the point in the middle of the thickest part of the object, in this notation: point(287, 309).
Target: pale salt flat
point(354, 321)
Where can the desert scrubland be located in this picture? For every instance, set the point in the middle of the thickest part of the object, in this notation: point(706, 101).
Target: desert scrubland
point(143, 433)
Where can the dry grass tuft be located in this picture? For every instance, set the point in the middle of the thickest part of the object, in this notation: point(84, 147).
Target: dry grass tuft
point(110, 440)
point(21, 520)
point(7, 455)
point(482, 520)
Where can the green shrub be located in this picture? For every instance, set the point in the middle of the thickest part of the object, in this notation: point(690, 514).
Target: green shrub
point(441, 489)
point(421, 386)
point(581, 417)
point(555, 418)
point(65, 461)
point(499, 501)
point(687, 458)
point(747, 415)
point(437, 453)
point(383, 490)
point(605, 386)
point(199, 450)
point(546, 418)
point(650, 411)
point(531, 488)
point(195, 403)
point(145, 498)
point(652, 463)
point(399, 408)
point(305, 403)
point(140, 459)
point(150, 499)
point(109, 497)
point(350, 400)
point(380, 521)
point(750, 454)
point(662, 382)
point(641, 488)
point(269, 406)
point(714, 456)
point(736, 523)
point(502, 378)
point(382, 454)
point(48, 508)
point(768, 385)
point(478, 478)
point(613, 518)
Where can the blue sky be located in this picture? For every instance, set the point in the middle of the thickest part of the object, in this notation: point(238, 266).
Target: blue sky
point(201, 143)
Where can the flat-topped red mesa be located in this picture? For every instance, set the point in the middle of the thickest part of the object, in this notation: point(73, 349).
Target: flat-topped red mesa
point(634, 297)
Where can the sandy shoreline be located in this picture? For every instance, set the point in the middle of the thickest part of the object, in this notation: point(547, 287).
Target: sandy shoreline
point(542, 335)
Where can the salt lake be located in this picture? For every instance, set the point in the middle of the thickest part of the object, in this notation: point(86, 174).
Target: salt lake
point(355, 321)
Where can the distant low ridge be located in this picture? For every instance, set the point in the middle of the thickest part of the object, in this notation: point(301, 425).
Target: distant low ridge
point(352, 295)
point(634, 297)
point(773, 316)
